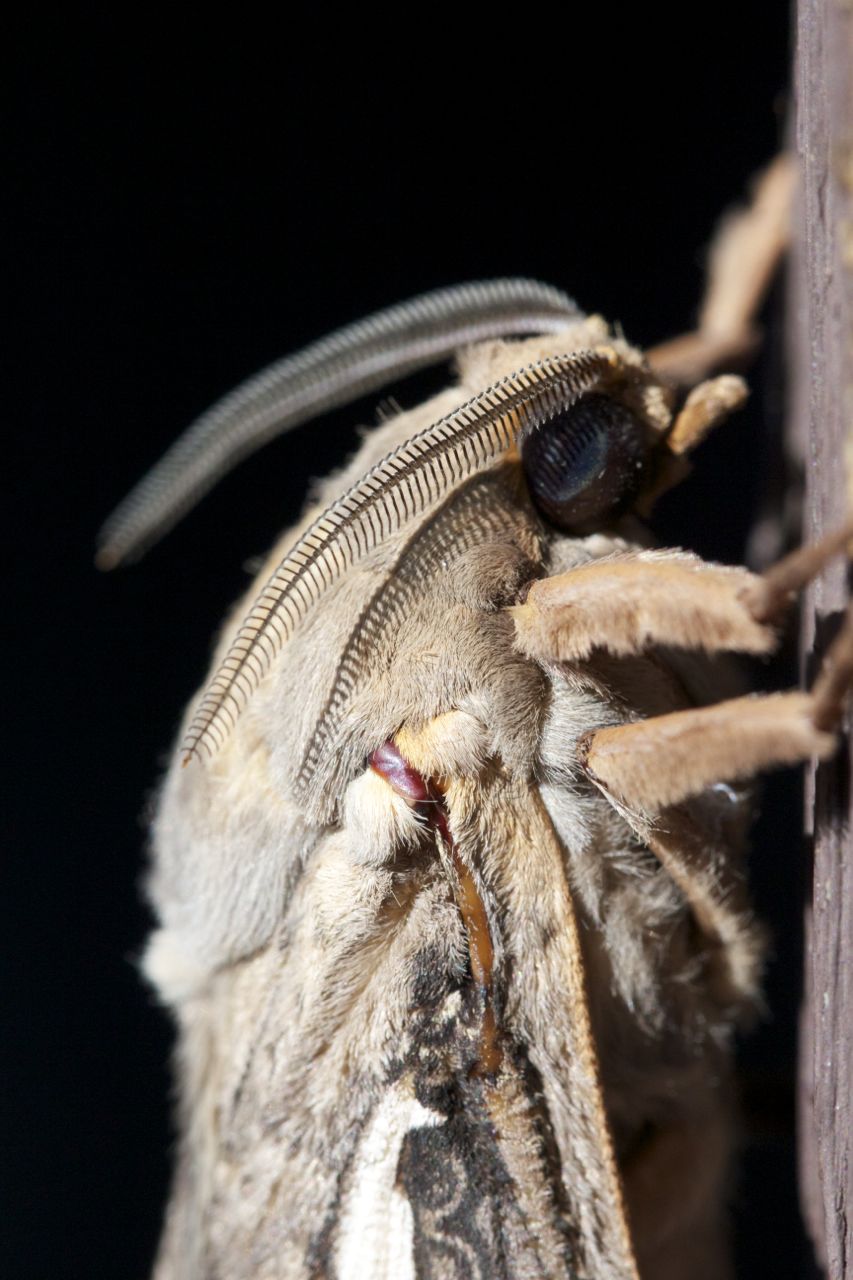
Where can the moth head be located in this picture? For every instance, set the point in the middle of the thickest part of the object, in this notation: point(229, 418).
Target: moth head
point(619, 446)
point(587, 464)
point(585, 412)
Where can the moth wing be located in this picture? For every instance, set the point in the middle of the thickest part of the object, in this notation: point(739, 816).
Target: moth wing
point(336, 1118)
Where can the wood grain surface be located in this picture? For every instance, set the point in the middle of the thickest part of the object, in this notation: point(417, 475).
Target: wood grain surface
point(821, 429)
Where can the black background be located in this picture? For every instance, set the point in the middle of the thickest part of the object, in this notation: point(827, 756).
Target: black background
point(192, 202)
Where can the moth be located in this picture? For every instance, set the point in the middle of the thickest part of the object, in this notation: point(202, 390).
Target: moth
point(449, 864)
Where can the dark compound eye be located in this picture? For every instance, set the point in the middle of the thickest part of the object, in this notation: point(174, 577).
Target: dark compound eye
point(585, 465)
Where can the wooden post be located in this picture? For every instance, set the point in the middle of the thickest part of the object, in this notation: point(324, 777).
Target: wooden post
point(822, 427)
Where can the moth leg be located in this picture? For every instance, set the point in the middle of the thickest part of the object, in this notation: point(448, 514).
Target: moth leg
point(663, 760)
point(744, 255)
point(629, 603)
point(680, 841)
point(771, 593)
point(648, 769)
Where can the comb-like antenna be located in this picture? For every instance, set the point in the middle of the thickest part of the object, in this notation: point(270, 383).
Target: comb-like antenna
point(347, 364)
point(396, 490)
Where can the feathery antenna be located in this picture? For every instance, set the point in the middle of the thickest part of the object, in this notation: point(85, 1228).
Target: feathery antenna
point(349, 363)
point(396, 490)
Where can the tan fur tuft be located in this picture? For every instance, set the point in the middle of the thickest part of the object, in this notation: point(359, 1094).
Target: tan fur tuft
point(452, 745)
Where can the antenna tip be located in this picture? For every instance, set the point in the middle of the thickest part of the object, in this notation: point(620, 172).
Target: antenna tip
point(106, 558)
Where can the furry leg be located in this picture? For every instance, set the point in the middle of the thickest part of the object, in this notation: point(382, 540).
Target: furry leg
point(648, 768)
point(629, 603)
point(663, 760)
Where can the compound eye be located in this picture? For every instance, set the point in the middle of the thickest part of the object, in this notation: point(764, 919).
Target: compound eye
point(584, 466)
